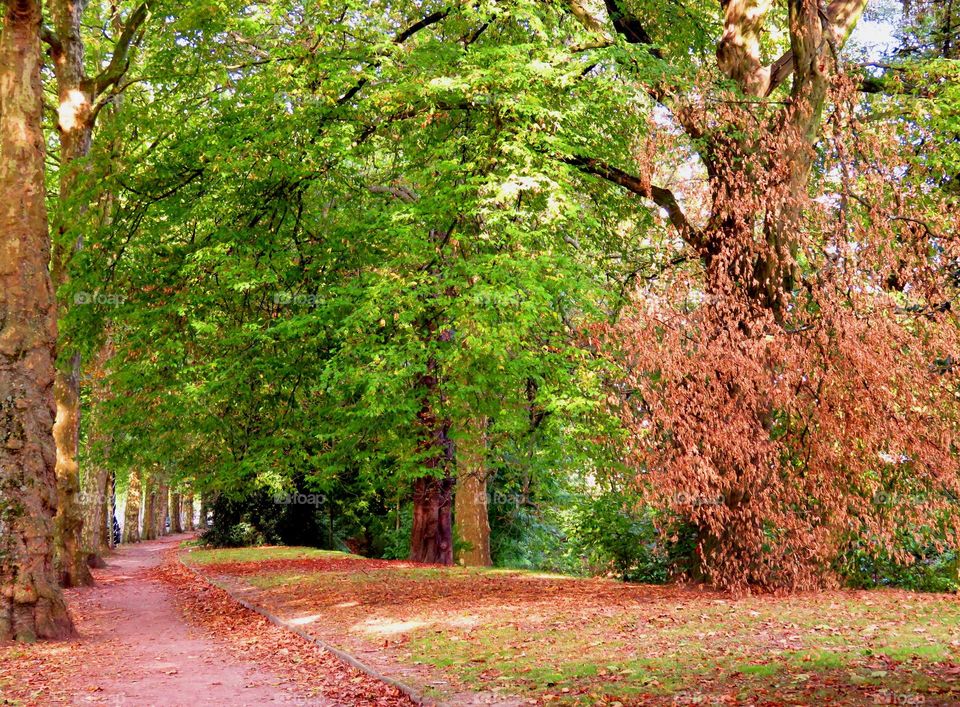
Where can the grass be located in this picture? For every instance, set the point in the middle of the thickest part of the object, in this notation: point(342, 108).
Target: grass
point(258, 554)
point(578, 641)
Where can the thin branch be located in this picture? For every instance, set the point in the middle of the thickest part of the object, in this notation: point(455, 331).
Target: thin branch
point(399, 192)
point(427, 21)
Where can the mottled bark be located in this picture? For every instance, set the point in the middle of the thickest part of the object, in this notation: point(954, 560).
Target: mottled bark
point(107, 540)
point(188, 512)
point(75, 128)
point(470, 501)
point(131, 515)
point(31, 605)
point(149, 522)
point(96, 507)
point(175, 510)
point(70, 553)
point(738, 51)
point(161, 508)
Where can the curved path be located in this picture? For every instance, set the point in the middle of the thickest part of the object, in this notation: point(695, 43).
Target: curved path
point(158, 658)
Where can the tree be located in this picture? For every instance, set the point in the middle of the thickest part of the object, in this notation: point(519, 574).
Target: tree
point(175, 512)
point(471, 507)
point(737, 373)
point(131, 517)
point(31, 605)
point(81, 99)
point(376, 306)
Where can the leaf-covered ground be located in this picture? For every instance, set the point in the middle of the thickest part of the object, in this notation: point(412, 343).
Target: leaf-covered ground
point(150, 633)
point(534, 638)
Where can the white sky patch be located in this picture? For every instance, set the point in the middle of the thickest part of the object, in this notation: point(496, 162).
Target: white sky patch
point(70, 109)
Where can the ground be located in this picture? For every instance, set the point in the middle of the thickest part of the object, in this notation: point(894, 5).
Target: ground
point(154, 632)
point(151, 634)
point(525, 637)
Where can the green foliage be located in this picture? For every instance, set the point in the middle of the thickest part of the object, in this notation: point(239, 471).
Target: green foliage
point(300, 209)
point(396, 534)
point(926, 569)
point(613, 533)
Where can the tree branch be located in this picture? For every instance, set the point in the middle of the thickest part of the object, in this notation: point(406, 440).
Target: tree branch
point(662, 197)
point(402, 37)
point(630, 27)
point(49, 37)
point(841, 17)
point(120, 60)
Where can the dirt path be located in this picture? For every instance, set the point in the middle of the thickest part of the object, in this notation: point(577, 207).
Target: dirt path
point(159, 659)
point(143, 652)
point(150, 632)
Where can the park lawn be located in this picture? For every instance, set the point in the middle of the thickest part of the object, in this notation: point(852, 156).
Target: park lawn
point(538, 638)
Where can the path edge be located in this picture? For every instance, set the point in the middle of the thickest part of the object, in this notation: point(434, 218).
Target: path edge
point(415, 695)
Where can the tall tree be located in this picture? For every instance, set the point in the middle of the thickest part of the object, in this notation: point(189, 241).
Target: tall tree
point(471, 509)
point(81, 98)
point(31, 605)
point(131, 516)
point(722, 439)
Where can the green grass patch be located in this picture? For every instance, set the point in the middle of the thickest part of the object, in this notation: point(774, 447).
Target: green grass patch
point(260, 554)
point(817, 660)
point(760, 669)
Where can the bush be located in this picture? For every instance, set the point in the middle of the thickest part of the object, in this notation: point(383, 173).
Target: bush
point(396, 536)
point(925, 569)
point(614, 534)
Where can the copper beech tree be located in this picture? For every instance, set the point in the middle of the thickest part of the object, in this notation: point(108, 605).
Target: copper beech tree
point(793, 394)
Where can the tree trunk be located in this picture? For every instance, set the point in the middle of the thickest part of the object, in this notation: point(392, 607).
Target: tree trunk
point(204, 511)
point(75, 128)
point(432, 537)
point(31, 605)
point(175, 524)
point(161, 507)
point(70, 553)
point(149, 524)
point(96, 502)
point(188, 512)
point(131, 516)
point(470, 500)
point(107, 541)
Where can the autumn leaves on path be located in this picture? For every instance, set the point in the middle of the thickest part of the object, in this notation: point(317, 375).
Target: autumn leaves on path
point(151, 633)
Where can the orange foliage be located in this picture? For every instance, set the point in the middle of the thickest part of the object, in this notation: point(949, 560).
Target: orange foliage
point(781, 433)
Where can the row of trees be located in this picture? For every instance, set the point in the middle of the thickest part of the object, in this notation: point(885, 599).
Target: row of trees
point(407, 257)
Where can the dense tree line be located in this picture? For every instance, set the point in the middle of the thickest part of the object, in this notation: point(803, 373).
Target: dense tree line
point(665, 289)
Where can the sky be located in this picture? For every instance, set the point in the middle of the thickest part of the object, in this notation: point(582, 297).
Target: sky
point(874, 37)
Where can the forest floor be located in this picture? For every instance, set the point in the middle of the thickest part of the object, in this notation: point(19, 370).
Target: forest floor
point(151, 633)
point(510, 637)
